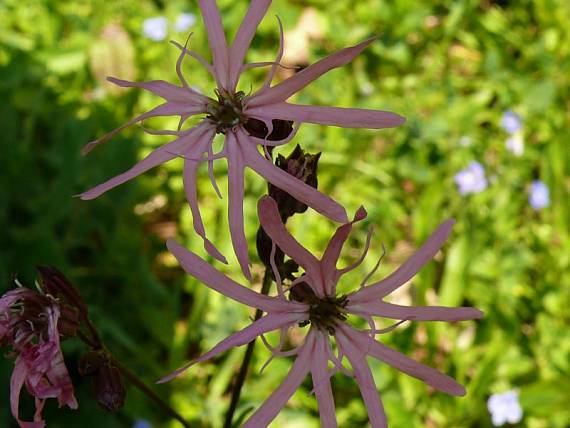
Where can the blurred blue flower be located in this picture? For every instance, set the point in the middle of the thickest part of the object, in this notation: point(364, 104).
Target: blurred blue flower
point(471, 179)
point(505, 407)
point(511, 122)
point(515, 144)
point(155, 28)
point(539, 195)
point(184, 21)
point(142, 423)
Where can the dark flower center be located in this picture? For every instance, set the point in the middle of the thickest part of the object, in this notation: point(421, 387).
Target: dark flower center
point(227, 111)
point(325, 312)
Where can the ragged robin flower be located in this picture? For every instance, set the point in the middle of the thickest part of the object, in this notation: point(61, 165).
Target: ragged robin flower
point(263, 118)
point(313, 301)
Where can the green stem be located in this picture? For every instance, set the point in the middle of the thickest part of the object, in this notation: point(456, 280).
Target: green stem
point(236, 390)
point(150, 393)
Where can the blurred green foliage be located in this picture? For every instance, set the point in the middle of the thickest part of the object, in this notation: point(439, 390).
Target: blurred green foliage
point(452, 68)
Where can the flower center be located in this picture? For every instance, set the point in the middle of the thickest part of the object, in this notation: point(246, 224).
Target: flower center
point(227, 111)
point(325, 312)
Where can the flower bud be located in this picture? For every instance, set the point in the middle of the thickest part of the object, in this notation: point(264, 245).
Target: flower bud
point(302, 166)
point(257, 128)
point(109, 388)
point(53, 282)
point(68, 323)
point(91, 362)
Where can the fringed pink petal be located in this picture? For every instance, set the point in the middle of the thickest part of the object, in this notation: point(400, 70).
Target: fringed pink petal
point(321, 382)
point(407, 271)
point(359, 261)
point(414, 313)
point(217, 41)
point(295, 187)
point(403, 363)
point(278, 399)
point(260, 64)
point(334, 116)
point(365, 381)
point(211, 158)
point(206, 273)
point(294, 84)
point(196, 56)
point(168, 91)
point(166, 109)
point(179, 62)
point(267, 323)
point(155, 158)
point(244, 36)
point(374, 269)
point(235, 203)
point(190, 189)
point(270, 220)
point(275, 270)
point(278, 350)
point(332, 252)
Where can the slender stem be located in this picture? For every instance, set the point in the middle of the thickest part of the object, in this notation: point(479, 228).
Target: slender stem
point(236, 390)
point(149, 393)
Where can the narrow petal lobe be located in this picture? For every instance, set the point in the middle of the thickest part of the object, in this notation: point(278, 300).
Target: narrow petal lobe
point(334, 116)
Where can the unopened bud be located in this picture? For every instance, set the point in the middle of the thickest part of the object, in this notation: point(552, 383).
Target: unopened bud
point(91, 362)
point(54, 283)
point(302, 292)
point(109, 388)
point(68, 323)
point(257, 128)
point(302, 166)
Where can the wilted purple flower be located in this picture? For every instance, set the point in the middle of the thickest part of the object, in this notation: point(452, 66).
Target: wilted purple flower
point(511, 122)
point(235, 114)
point(504, 408)
point(184, 22)
point(315, 302)
point(155, 28)
point(471, 179)
point(539, 195)
point(515, 144)
point(29, 325)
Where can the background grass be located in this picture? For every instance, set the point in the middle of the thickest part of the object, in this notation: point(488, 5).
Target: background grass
point(452, 68)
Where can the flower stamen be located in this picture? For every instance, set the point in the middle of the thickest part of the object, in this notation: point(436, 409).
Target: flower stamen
point(227, 111)
point(324, 312)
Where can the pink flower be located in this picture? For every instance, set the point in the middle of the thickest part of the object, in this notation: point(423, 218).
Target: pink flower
point(314, 301)
point(29, 324)
point(232, 114)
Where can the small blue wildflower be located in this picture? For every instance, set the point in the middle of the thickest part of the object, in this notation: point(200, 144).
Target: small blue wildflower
point(184, 21)
point(471, 179)
point(142, 423)
point(505, 407)
point(539, 195)
point(155, 28)
point(511, 122)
